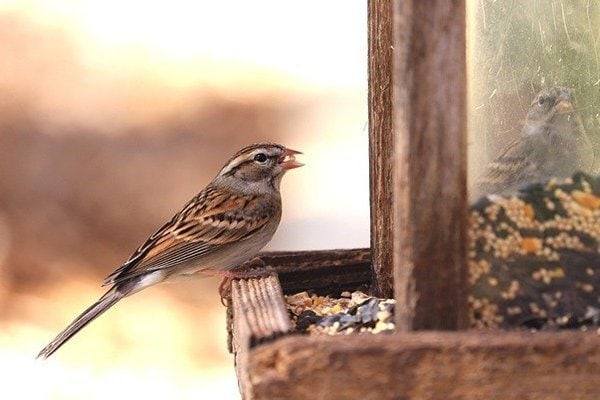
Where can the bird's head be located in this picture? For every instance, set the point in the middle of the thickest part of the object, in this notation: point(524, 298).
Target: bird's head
point(551, 108)
point(258, 166)
point(550, 103)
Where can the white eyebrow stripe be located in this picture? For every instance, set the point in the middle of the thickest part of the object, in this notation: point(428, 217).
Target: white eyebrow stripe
point(233, 164)
point(239, 160)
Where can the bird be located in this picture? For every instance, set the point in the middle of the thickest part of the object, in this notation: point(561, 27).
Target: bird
point(218, 231)
point(552, 144)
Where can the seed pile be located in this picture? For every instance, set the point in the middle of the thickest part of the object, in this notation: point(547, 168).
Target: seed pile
point(534, 258)
point(351, 312)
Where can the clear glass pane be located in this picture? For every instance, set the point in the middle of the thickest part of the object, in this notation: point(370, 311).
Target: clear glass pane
point(534, 92)
point(517, 50)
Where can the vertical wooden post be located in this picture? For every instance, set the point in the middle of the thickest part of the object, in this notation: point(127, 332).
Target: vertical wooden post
point(417, 144)
point(381, 144)
point(429, 175)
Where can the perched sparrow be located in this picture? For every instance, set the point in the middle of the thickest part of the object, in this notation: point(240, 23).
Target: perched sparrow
point(553, 143)
point(224, 226)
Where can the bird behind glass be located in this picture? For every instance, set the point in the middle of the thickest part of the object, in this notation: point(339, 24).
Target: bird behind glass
point(553, 144)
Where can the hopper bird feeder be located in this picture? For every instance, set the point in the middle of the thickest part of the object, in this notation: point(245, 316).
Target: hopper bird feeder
point(418, 255)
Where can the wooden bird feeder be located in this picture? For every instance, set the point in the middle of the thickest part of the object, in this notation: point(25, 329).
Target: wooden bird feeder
point(417, 114)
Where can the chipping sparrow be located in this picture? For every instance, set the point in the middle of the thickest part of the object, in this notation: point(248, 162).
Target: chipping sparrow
point(553, 143)
point(224, 226)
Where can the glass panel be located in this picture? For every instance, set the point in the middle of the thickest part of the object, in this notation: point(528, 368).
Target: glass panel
point(534, 91)
point(517, 51)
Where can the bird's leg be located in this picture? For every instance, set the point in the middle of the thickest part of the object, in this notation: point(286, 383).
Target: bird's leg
point(253, 264)
point(225, 290)
point(254, 268)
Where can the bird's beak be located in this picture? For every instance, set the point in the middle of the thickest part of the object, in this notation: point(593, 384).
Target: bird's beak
point(287, 159)
point(563, 105)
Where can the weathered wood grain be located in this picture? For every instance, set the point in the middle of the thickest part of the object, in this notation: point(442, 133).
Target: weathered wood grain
point(427, 366)
point(429, 177)
point(258, 315)
point(259, 309)
point(381, 143)
point(326, 272)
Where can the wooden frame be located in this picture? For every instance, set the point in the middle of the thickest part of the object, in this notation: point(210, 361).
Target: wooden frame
point(418, 208)
point(271, 363)
point(430, 174)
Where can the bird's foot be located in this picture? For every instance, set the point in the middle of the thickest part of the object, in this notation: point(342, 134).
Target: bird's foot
point(254, 268)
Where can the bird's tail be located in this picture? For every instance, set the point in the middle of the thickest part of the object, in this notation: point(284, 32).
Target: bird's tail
point(109, 299)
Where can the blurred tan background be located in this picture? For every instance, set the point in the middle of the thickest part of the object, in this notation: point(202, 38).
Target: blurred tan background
point(112, 115)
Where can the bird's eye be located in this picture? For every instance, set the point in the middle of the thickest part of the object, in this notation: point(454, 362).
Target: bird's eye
point(541, 100)
point(260, 157)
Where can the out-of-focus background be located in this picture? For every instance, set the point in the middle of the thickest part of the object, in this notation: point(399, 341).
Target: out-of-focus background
point(112, 115)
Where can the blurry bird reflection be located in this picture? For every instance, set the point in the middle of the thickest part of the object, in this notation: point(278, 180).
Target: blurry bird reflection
point(552, 144)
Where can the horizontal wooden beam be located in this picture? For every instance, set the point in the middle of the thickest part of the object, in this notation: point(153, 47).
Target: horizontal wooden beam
point(428, 365)
point(326, 272)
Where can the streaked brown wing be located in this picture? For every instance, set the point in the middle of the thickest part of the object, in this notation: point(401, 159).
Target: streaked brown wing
point(210, 220)
point(514, 165)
